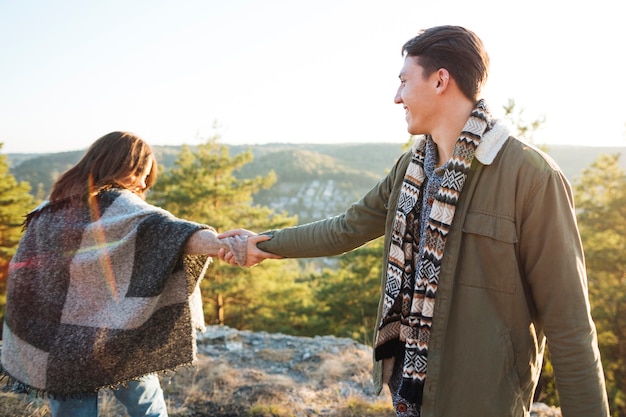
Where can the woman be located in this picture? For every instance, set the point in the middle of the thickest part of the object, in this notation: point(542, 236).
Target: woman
point(103, 290)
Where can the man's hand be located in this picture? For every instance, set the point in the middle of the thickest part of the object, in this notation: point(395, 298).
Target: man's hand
point(254, 255)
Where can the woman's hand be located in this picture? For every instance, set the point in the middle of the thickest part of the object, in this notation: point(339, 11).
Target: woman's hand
point(254, 255)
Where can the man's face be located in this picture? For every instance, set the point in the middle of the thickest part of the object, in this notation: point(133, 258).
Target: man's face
point(418, 96)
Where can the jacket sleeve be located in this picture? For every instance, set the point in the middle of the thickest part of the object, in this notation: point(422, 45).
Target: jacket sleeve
point(552, 259)
point(361, 223)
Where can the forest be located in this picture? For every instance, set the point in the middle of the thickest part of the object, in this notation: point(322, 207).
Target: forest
point(278, 185)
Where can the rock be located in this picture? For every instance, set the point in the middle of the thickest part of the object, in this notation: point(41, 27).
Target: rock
point(308, 376)
point(314, 372)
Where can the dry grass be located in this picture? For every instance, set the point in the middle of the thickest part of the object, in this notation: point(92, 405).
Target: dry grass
point(325, 384)
point(341, 366)
point(18, 405)
point(217, 389)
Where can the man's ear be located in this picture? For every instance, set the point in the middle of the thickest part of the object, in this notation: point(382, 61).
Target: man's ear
point(443, 78)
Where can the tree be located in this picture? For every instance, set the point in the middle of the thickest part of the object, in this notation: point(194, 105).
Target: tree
point(15, 202)
point(348, 296)
point(201, 187)
point(601, 201)
point(278, 297)
point(524, 130)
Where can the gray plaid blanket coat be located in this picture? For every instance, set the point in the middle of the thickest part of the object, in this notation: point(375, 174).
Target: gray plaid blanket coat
point(98, 296)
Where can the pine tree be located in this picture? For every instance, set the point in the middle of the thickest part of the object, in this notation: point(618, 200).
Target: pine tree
point(601, 202)
point(201, 187)
point(349, 295)
point(15, 202)
point(524, 130)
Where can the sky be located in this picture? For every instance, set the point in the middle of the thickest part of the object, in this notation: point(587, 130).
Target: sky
point(278, 71)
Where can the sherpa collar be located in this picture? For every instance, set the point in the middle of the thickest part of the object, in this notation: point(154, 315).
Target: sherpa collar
point(490, 145)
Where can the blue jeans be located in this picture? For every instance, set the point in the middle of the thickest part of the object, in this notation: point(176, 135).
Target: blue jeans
point(142, 398)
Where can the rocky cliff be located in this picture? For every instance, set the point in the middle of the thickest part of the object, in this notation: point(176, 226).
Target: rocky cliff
point(259, 374)
point(293, 376)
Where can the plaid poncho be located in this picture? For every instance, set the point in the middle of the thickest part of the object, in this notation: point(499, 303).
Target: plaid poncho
point(100, 295)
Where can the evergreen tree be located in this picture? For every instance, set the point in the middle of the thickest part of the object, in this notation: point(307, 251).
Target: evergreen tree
point(15, 202)
point(524, 130)
point(348, 296)
point(276, 296)
point(601, 201)
point(201, 187)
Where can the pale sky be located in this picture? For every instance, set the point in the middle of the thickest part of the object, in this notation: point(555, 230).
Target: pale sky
point(323, 71)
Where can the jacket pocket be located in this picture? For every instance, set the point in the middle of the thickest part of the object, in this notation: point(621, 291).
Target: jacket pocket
point(490, 225)
point(487, 258)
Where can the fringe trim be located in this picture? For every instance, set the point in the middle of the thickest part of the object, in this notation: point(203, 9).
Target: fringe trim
point(412, 390)
point(12, 384)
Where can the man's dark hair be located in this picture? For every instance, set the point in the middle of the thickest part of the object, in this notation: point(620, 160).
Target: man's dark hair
point(456, 49)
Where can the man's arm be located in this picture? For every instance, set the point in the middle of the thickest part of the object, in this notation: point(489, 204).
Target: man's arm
point(551, 256)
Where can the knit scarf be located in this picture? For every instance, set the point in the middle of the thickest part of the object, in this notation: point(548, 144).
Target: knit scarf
point(411, 284)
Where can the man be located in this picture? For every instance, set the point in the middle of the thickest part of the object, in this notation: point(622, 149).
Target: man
point(483, 261)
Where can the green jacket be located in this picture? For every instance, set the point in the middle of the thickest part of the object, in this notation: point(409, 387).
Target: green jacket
point(512, 276)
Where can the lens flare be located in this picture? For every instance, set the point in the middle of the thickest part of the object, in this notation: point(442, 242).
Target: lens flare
point(101, 245)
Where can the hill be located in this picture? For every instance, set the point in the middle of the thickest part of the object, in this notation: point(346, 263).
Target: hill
point(311, 184)
point(574, 159)
point(313, 180)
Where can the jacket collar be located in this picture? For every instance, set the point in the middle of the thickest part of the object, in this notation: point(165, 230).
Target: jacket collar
point(491, 143)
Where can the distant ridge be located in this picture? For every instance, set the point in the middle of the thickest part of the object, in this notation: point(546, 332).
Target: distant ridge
point(571, 158)
point(574, 159)
point(313, 180)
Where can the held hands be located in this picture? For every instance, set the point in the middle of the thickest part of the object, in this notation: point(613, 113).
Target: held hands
point(254, 255)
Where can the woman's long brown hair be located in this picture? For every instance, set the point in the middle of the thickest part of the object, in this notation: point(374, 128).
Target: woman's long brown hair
point(107, 163)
